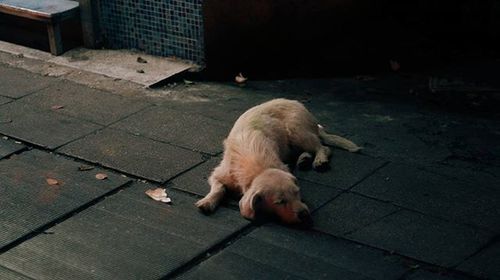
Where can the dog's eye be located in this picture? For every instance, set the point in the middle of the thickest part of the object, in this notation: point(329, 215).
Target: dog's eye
point(280, 201)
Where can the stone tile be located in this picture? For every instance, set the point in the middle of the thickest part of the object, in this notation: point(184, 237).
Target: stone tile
point(85, 103)
point(28, 202)
point(18, 83)
point(283, 252)
point(424, 238)
point(350, 212)
point(195, 180)
point(428, 275)
point(315, 195)
point(346, 170)
point(436, 195)
point(231, 266)
point(43, 128)
point(7, 274)
point(4, 100)
point(126, 236)
point(8, 147)
point(133, 154)
point(485, 264)
point(191, 131)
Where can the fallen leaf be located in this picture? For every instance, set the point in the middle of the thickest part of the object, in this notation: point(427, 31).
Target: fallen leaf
point(5, 121)
point(140, 71)
point(57, 107)
point(240, 79)
point(188, 82)
point(101, 176)
point(85, 168)
point(395, 66)
point(52, 181)
point(158, 194)
point(141, 60)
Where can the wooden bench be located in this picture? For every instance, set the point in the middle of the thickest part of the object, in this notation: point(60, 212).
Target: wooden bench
point(50, 12)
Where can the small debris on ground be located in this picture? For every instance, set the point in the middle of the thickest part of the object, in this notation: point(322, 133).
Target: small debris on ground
point(52, 181)
point(395, 66)
point(101, 176)
point(240, 79)
point(140, 71)
point(85, 168)
point(57, 107)
point(5, 121)
point(141, 60)
point(188, 82)
point(158, 194)
point(20, 55)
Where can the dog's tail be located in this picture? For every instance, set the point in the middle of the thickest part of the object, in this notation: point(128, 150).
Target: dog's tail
point(335, 140)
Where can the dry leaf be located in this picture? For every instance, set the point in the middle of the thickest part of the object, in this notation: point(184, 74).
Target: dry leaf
point(240, 79)
point(52, 181)
point(57, 107)
point(395, 66)
point(101, 176)
point(85, 168)
point(158, 194)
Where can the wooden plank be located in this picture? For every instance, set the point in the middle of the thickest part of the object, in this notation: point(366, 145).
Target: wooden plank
point(40, 10)
point(55, 40)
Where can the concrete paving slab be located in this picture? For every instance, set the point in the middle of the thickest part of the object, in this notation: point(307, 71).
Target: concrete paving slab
point(350, 212)
point(428, 275)
point(85, 103)
point(346, 170)
point(123, 64)
point(436, 195)
point(128, 235)
point(8, 274)
point(17, 83)
point(484, 264)
point(29, 202)
point(306, 254)
point(4, 100)
point(424, 238)
point(191, 131)
point(44, 128)
point(133, 154)
point(8, 147)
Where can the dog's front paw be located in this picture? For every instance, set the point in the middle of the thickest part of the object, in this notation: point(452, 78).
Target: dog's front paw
point(206, 205)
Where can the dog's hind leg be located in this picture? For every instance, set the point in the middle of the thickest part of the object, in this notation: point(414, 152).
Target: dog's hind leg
point(310, 143)
point(209, 203)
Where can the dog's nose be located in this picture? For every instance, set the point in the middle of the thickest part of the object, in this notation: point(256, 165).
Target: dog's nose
point(305, 218)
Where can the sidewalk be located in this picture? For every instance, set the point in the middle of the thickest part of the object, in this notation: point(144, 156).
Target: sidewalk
point(422, 201)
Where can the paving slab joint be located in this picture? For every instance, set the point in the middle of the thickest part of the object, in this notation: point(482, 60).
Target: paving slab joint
point(214, 250)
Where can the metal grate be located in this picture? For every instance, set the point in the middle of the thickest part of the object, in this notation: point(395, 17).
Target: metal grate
point(159, 27)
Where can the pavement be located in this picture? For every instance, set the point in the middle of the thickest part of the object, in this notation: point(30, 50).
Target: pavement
point(421, 201)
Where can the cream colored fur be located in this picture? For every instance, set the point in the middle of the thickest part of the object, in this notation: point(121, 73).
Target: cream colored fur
point(254, 155)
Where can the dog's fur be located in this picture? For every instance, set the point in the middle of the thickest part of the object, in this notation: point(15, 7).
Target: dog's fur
point(255, 151)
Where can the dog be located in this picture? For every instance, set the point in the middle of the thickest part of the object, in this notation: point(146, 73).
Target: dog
point(255, 152)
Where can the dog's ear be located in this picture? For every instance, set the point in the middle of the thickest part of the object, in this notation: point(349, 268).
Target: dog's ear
point(250, 203)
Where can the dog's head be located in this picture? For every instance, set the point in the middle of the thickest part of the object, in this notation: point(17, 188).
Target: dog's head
point(275, 192)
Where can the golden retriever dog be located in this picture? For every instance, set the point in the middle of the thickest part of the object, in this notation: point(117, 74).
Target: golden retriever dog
point(259, 143)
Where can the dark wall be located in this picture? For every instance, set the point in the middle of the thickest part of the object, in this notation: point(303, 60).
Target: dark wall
point(278, 38)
